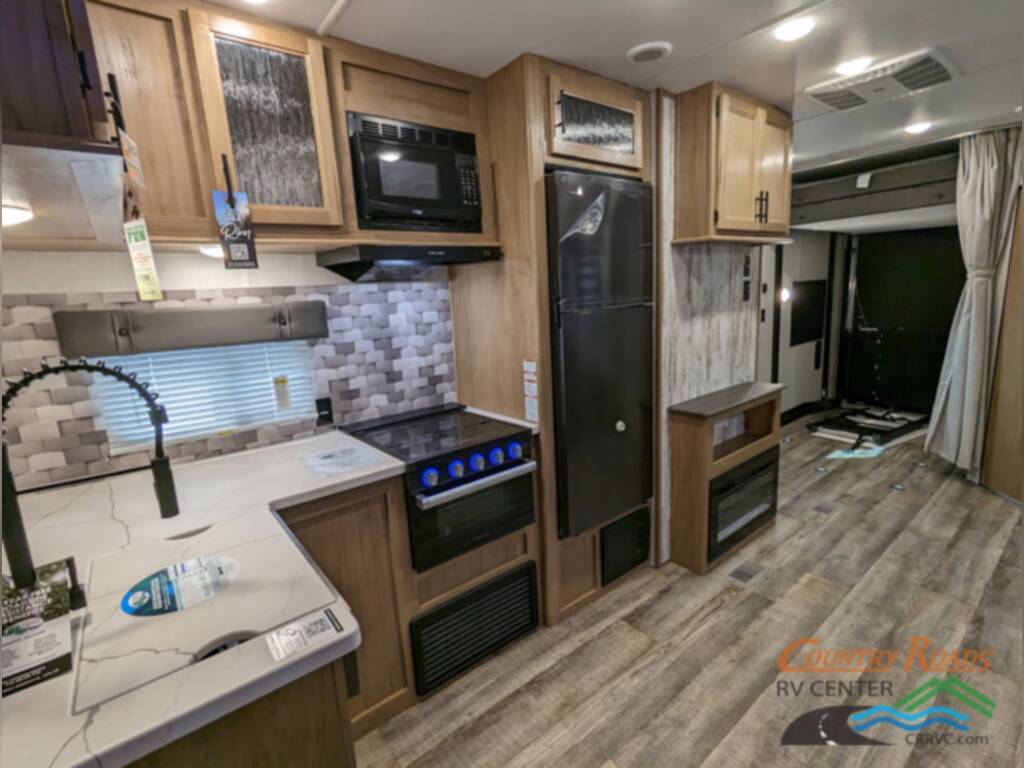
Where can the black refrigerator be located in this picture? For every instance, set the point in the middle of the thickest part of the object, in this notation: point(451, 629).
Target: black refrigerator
point(600, 251)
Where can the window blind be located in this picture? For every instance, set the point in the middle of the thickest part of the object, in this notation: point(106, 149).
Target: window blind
point(208, 391)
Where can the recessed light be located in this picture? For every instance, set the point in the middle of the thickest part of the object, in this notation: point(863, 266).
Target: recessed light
point(390, 156)
point(788, 31)
point(213, 251)
point(15, 214)
point(786, 294)
point(1020, 107)
point(255, 2)
point(647, 52)
point(916, 128)
point(854, 66)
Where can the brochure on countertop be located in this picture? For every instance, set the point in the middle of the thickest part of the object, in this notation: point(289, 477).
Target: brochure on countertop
point(36, 642)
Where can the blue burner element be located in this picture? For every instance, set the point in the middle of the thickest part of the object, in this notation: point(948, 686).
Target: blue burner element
point(515, 450)
point(477, 462)
point(497, 456)
point(430, 477)
point(456, 469)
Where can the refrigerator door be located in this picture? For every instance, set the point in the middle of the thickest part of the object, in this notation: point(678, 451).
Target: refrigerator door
point(600, 241)
point(603, 432)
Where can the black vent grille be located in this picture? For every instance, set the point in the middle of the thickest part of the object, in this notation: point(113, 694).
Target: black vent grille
point(459, 634)
point(923, 73)
point(396, 130)
point(840, 99)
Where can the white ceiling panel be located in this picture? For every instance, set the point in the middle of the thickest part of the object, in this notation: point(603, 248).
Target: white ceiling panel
point(726, 40)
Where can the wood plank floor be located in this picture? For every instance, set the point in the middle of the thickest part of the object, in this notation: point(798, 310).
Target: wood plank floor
point(676, 670)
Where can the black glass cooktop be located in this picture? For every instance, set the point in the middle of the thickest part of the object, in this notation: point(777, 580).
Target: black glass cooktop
point(430, 432)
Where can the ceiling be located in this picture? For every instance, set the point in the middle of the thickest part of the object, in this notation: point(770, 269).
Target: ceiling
point(727, 40)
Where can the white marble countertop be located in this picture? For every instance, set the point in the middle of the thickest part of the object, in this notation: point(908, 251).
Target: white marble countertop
point(227, 506)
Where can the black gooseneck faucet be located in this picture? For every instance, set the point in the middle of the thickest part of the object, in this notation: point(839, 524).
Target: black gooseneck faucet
point(15, 541)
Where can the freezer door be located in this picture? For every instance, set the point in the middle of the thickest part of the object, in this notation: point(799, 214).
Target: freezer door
point(600, 240)
point(603, 429)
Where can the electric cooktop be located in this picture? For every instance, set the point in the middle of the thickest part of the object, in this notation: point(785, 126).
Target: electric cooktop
point(428, 433)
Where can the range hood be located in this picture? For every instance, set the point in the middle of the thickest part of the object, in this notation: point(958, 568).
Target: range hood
point(390, 263)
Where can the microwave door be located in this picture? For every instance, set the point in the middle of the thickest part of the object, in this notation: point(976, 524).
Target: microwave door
point(400, 179)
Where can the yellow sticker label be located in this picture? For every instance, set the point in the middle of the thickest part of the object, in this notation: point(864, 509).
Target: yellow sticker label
point(143, 264)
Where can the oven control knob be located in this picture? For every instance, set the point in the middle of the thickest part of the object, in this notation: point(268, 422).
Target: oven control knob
point(477, 462)
point(515, 451)
point(430, 477)
point(456, 469)
point(497, 456)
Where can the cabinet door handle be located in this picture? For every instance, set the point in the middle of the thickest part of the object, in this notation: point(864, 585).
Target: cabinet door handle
point(766, 206)
point(227, 179)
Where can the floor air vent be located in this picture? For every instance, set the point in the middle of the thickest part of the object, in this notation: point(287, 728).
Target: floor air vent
point(453, 637)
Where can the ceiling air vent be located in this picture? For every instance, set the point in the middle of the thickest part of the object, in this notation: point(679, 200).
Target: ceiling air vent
point(889, 80)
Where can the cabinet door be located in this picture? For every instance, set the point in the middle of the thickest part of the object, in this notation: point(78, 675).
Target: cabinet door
point(360, 541)
point(600, 125)
point(264, 95)
point(774, 171)
point(49, 84)
point(142, 44)
point(737, 164)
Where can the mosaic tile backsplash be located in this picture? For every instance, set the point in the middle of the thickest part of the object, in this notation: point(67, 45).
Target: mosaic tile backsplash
point(389, 350)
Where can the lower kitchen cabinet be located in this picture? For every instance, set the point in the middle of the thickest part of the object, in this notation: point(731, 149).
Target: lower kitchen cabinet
point(303, 723)
point(360, 541)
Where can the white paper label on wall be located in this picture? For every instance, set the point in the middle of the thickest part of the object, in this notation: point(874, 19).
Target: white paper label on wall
point(143, 265)
point(282, 393)
point(531, 409)
point(303, 633)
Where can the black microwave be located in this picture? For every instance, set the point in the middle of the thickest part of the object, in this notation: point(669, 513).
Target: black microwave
point(413, 177)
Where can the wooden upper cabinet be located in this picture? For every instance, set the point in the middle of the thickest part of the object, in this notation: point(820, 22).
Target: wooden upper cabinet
point(595, 120)
point(144, 45)
point(737, 164)
point(51, 89)
point(733, 167)
point(775, 171)
point(264, 97)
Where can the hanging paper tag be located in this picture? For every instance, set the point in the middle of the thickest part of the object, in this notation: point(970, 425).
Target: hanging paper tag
point(236, 233)
point(132, 160)
point(141, 253)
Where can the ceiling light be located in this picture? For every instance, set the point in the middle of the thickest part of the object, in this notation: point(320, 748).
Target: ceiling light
point(254, 2)
point(15, 214)
point(786, 294)
point(1019, 108)
point(390, 157)
point(647, 52)
point(854, 66)
point(916, 128)
point(213, 251)
point(792, 30)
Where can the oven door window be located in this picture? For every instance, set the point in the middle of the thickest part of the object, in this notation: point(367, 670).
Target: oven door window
point(400, 178)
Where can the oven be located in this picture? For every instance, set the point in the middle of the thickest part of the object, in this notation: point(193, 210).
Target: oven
point(445, 523)
point(742, 499)
point(413, 177)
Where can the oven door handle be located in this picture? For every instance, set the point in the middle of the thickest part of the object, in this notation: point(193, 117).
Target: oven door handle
point(445, 497)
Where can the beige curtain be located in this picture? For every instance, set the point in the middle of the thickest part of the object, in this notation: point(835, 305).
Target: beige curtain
point(988, 178)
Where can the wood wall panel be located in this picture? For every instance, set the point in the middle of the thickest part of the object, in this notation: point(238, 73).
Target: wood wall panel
point(1004, 440)
point(708, 332)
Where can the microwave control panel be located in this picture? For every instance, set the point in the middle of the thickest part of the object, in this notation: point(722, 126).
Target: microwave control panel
point(469, 179)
